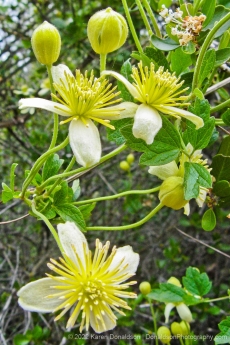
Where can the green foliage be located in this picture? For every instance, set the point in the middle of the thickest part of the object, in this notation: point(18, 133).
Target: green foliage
point(196, 176)
point(195, 282)
point(224, 336)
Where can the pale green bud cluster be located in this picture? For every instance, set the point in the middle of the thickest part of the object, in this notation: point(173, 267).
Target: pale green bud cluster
point(46, 43)
point(126, 165)
point(107, 31)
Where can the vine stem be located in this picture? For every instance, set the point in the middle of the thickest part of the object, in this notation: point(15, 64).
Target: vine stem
point(216, 299)
point(204, 47)
point(55, 116)
point(129, 226)
point(39, 163)
point(103, 62)
point(144, 17)
point(220, 106)
point(154, 319)
point(131, 26)
point(119, 195)
point(152, 17)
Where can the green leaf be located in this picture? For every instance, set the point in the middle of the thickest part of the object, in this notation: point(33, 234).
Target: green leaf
point(185, 61)
point(21, 339)
point(165, 45)
point(69, 212)
point(226, 117)
point(76, 189)
point(220, 12)
point(165, 148)
point(224, 336)
point(116, 135)
point(51, 166)
point(7, 193)
point(126, 71)
point(157, 57)
point(208, 9)
point(221, 162)
point(207, 65)
point(63, 195)
point(222, 188)
point(196, 283)
point(12, 176)
point(187, 78)
point(195, 176)
point(222, 56)
point(189, 48)
point(87, 209)
point(208, 222)
point(167, 3)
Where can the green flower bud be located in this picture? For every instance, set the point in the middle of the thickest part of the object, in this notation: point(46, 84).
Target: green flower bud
point(124, 166)
point(107, 31)
point(174, 281)
point(164, 334)
point(130, 158)
point(46, 43)
point(176, 329)
point(145, 288)
point(172, 193)
point(185, 327)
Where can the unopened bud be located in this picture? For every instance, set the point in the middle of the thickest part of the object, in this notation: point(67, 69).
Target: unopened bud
point(145, 288)
point(46, 43)
point(185, 327)
point(124, 166)
point(174, 281)
point(130, 158)
point(107, 31)
point(172, 193)
point(164, 334)
point(176, 329)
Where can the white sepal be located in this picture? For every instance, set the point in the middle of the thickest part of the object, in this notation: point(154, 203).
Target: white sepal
point(59, 73)
point(41, 103)
point(164, 171)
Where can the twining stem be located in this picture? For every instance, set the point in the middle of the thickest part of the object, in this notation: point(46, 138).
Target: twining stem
point(119, 195)
point(129, 226)
point(55, 116)
point(131, 26)
point(220, 106)
point(204, 47)
point(37, 165)
point(145, 19)
point(152, 17)
point(50, 226)
point(74, 173)
point(103, 62)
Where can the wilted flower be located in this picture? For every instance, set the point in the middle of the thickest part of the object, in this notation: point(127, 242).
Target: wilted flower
point(157, 91)
point(81, 99)
point(87, 284)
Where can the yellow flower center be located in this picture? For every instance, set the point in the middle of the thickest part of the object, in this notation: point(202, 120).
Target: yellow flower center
point(87, 97)
point(157, 88)
point(92, 286)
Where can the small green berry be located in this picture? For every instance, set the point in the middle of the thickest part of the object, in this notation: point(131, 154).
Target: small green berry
point(130, 158)
point(145, 288)
point(124, 166)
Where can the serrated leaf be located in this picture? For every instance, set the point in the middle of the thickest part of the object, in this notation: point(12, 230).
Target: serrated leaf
point(116, 135)
point(224, 336)
point(208, 221)
point(87, 209)
point(7, 193)
point(164, 44)
point(207, 65)
point(126, 71)
point(76, 189)
point(63, 195)
point(185, 61)
point(69, 212)
point(157, 57)
point(195, 176)
point(196, 283)
point(165, 148)
point(226, 117)
point(51, 166)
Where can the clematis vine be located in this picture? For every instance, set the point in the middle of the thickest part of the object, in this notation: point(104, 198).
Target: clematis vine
point(159, 92)
point(82, 100)
point(91, 285)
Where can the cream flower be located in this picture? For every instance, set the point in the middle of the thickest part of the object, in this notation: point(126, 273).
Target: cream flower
point(182, 309)
point(92, 285)
point(157, 91)
point(83, 100)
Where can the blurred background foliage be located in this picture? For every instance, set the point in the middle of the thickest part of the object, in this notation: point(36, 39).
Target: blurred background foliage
point(26, 245)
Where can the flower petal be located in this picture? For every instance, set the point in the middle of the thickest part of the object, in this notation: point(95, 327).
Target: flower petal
point(184, 312)
point(198, 121)
point(58, 73)
point(187, 209)
point(32, 296)
point(127, 84)
point(147, 123)
point(128, 258)
point(164, 171)
point(130, 109)
point(97, 325)
point(72, 240)
point(85, 142)
point(168, 308)
point(41, 103)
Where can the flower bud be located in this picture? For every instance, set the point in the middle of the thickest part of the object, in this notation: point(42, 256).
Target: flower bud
point(172, 193)
point(130, 158)
point(46, 43)
point(164, 334)
point(107, 31)
point(174, 281)
point(145, 288)
point(124, 166)
point(176, 329)
point(185, 327)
